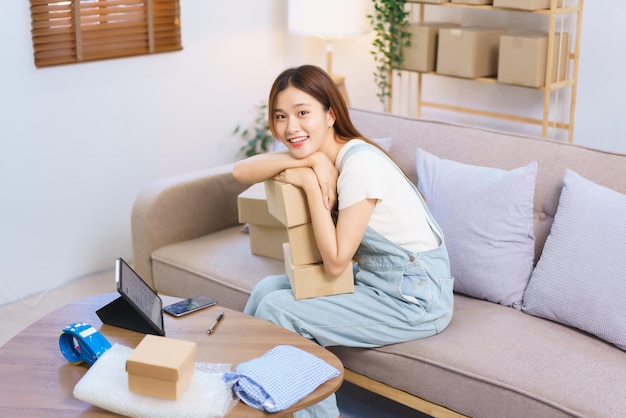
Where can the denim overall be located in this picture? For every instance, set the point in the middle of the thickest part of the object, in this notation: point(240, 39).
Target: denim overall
point(399, 295)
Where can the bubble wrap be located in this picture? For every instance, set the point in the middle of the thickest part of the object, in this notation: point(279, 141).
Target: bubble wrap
point(106, 385)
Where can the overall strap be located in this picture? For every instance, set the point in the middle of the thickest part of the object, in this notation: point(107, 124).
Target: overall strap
point(364, 146)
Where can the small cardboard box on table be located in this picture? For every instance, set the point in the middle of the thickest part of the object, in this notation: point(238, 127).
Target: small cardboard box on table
point(468, 52)
point(161, 367)
point(421, 55)
point(523, 59)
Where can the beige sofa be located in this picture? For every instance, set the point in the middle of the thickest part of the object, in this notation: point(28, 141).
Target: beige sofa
point(492, 361)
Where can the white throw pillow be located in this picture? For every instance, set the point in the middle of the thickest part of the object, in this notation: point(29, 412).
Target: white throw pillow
point(486, 215)
point(580, 278)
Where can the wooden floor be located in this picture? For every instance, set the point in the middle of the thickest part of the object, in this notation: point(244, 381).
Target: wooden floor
point(21, 314)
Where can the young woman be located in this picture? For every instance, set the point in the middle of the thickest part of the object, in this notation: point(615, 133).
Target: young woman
point(403, 286)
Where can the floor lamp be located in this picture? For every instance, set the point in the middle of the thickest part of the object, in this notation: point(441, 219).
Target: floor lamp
point(330, 20)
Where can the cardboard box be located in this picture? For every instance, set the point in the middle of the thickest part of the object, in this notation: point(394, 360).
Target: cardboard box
point(252, 207)
point(267, 241)
point(161, 367)
point(287, 203)
point(303, 245)
point(523, 4)
point(421, 55)
point(309, 281)
point(522, 59)
point(430, 1)
point(472, 1)
point(468, 52)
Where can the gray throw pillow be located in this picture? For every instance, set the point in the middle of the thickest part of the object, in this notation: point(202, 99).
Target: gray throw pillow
point(486, 215)
point(580, 278)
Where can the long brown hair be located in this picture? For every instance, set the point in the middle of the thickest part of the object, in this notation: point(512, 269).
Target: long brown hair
point(317, 83)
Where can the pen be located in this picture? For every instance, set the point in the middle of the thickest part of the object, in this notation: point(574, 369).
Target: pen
point(214, 324)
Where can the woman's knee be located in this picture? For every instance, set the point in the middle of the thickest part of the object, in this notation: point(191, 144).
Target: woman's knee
point(263, 288)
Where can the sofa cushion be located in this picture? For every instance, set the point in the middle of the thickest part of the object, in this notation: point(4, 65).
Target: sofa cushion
point(486, 215)
point(218, 264)
point(494, 361)
point(580, 279)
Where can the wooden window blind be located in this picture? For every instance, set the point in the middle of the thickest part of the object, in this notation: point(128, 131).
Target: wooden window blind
point(72, 31)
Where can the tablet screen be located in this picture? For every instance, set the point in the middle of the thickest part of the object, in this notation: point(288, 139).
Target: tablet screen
point(139, 294)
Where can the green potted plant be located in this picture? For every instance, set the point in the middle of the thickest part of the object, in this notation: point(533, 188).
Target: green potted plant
point(390, 22)
point(258, 137)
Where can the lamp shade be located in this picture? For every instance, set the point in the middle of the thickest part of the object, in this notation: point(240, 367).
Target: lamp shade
point(329, 18)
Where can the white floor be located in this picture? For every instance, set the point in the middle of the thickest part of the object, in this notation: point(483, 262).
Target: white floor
point(354, 402)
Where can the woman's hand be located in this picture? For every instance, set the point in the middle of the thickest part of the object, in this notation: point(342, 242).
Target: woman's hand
point(303, 177)
point(327, 175)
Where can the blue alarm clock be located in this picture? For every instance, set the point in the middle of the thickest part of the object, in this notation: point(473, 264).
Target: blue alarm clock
point(81, 342)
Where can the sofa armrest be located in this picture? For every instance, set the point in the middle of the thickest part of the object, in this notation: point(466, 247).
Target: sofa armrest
point(181, 208)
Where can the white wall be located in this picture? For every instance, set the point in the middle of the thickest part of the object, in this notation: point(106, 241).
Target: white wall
point(80, 141)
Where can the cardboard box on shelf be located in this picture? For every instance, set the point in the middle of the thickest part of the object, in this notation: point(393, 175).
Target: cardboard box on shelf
point(252, 207)
point(161, 367)
point(267, 241)
point(287, 203)
point(523, 4)
point(310, 280)
point(523, 59)
point(468, 52)
point(421, 55)
point(472, 1)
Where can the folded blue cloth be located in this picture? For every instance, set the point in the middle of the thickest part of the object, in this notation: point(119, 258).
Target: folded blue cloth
point(279, 378)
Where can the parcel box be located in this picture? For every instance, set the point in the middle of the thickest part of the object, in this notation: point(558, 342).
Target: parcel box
point(421, 55)
point(468, 52)
point(252, 207)
point(267, 241)
point(522, 59)
point(523, 4)
point(161, 367)
point(310, 280)
point(303, 245)
point(472, 1)
point(287, 203)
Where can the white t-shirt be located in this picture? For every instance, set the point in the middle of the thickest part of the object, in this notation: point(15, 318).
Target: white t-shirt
point(399, 214)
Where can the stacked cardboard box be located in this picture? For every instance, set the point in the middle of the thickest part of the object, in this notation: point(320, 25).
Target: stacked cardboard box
point(468, 52)
point(303, 262)
point(267, 234)
point(523, 4)
point(472, 1)
point(421, 55)
point(523, 59)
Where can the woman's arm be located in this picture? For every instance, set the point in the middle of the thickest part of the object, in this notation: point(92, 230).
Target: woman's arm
point(263, 167)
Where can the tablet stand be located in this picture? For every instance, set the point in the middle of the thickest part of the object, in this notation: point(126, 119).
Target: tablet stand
point(121, 313)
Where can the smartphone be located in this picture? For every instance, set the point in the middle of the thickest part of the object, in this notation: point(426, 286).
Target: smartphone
point(190, 305)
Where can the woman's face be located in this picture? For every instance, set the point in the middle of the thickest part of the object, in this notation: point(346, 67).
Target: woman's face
point(302, 123)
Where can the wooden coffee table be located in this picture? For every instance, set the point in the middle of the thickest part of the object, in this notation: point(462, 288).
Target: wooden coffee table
point(37, 381)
